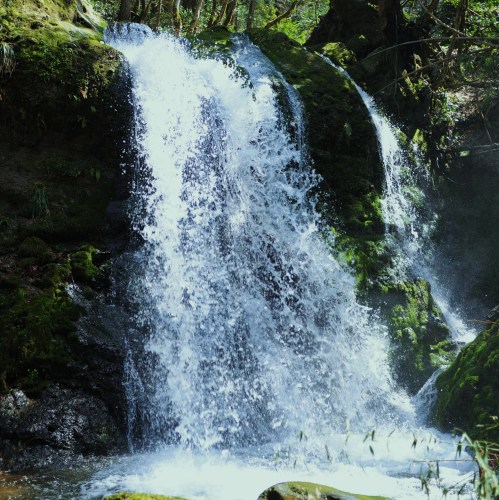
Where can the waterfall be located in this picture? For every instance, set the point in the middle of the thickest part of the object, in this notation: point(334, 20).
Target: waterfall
point(249, 324)
point(250, 360)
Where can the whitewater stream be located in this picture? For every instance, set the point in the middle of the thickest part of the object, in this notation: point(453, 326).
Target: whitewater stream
point(250, 361)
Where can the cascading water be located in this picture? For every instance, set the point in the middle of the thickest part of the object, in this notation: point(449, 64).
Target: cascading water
point(249, 355)
point(247, 315)
point(408, 229)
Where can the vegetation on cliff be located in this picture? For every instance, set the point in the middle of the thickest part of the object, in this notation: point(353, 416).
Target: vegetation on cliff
point(58, 174)
point(60, 118)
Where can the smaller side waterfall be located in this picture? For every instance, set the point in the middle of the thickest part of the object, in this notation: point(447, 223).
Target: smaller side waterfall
point(408, 222)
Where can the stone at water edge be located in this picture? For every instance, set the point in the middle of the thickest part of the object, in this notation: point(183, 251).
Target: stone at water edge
point(310, 491)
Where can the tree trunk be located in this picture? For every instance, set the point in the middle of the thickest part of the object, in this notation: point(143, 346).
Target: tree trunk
point(125, 14)
point(211, 21)
point(284, 15)
point(425, 19)
point(195, 17)
point(391, 19)
point(231, 9)
point(460, 21)
point(221, 14)
point(251, 14)
point(158, 18)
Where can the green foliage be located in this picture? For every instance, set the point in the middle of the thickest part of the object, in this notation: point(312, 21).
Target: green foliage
point(39, 202)
point(300, 25)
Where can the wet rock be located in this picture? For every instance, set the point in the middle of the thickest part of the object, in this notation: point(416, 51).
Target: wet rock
point(310, 491)
point(340, 135)
point(62, 426)
point(64, 114)
point(421, 340)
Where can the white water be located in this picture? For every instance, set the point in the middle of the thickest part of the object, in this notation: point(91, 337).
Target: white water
point(252, 361)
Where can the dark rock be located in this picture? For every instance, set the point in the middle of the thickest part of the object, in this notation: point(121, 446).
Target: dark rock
point(64, 114)
point(55, 430)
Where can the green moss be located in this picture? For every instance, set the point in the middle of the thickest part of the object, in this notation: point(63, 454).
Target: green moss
point(215, 42)
point(310, 491)
point(469, 389)
point(337, 52)
point(366, 256)
point(82, 265)
point(60, 118)
point(59, 65)
point(34, 324)
point(341, 137)
point(421, 340)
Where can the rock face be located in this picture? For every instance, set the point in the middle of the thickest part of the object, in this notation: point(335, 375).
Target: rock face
point(63, 111)
point(468, 389)
point(61, 426)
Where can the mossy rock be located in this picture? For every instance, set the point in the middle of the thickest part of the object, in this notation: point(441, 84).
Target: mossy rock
point(62, 72)
point(62, 110)
point(36, 248)
point(84, 269)
point(337, 52)
point(310, 491)
point(421, 341)
point(341, 136)
point(468, 391)
point(35, 326)
point(140, 496)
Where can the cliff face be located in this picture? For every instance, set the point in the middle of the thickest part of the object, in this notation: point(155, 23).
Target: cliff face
point(63, 111)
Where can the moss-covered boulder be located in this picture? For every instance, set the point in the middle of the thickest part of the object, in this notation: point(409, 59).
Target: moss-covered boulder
point(339, 131)
point(214, 42)
point(468, 390)
point(62, 73)
point(310, 491)
point(421, 340)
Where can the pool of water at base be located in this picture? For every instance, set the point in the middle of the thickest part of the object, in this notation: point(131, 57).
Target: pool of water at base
point(394, 464)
